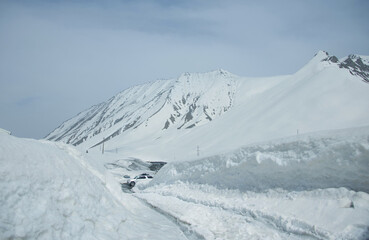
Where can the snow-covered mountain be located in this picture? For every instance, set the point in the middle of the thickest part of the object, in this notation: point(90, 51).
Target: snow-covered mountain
point(229, 157)
point(207, 113)
point(183, 103)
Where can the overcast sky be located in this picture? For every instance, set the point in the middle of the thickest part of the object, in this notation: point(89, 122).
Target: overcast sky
point(58, 58)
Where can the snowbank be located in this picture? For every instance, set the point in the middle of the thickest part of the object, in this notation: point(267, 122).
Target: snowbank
point(45, 193)
point(312, 186)
point(320, 160)
point(51, 191)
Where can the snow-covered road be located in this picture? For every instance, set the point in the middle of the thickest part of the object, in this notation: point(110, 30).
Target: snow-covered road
point(275, 214)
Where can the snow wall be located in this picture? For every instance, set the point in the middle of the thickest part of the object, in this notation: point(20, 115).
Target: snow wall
point(46, 192)
point(305, 162)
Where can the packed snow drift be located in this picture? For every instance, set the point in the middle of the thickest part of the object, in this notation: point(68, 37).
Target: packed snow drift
point(49, 191)
point(304, 162)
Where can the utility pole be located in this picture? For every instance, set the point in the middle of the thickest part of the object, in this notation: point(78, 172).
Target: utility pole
point(298, 144)
point(103, 146)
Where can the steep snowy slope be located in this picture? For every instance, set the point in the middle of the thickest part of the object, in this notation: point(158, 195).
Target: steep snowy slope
point(186, 102)
point(209, 113)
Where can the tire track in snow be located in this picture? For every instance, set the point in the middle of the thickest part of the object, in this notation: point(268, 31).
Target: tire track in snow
point(185, 227)
point(284, 226)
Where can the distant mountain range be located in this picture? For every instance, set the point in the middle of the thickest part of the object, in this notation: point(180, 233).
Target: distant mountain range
point(201, 114)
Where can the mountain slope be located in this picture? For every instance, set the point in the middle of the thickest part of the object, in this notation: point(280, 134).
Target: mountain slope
point(176, 102)
point(208, 113)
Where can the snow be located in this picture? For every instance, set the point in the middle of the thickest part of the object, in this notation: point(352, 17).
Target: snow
point(3, 131)
point(49, 191)
point(248, 158)
point(217, 112)
point(312, 186)
point(304, 162)
point(275, 214)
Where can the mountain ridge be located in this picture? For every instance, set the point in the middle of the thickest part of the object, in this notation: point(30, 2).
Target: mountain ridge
point(178, 110)
point(168, 89)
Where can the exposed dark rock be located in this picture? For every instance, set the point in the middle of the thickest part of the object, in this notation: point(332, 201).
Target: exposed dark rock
point(332, 59)
point(116, 133)
point(129, 125)
point(206, 114)
point(97, 132)
point(188, 116)
point(80, 141)
point(118, 120)
point(356, 67)
point(166, 126)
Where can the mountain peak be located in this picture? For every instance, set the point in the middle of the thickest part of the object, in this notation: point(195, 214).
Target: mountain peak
point(321, 54)
point(315, 64)
point(223, 72)
point(357, 65)
point(355, 57)
point(215, 73)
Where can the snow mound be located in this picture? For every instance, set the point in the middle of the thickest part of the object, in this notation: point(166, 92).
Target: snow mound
point(306, 162)
point(47, 193)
